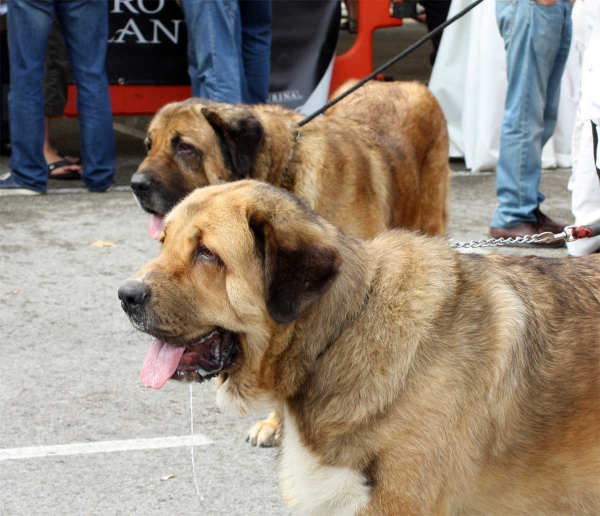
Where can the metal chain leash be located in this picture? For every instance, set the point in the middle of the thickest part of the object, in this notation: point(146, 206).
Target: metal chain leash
point(570, 234)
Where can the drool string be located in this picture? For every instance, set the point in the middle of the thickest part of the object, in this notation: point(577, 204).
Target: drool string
point(192, 431)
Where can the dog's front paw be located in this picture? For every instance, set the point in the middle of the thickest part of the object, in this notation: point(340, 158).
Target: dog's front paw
point(265, 433)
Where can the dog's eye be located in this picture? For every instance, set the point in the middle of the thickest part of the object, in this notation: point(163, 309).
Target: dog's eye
point(184, 148)
point(203, 253)
point(148, 144)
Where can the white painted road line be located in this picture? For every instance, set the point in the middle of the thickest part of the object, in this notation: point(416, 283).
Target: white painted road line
point(468, 173)
point(102, 447)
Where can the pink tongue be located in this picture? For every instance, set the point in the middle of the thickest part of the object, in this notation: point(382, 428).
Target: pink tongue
point(157, 225)
point(160, 364)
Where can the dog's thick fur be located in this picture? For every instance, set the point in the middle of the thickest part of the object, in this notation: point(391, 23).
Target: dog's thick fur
point(378, 159)
point(412, 379)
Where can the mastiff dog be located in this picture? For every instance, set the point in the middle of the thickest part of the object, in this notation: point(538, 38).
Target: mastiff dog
point(410, 378)
point(378, 159)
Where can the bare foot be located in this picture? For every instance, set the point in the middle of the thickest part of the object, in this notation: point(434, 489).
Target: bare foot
point(52, 156)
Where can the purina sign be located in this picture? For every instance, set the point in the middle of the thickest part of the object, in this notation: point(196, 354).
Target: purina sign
point(148, 45)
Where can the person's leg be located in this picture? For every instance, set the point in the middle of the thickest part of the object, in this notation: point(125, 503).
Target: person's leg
point(532, 37)
point(216, 27)
point(437, 13)
point(56, 84)
point(553, 92)
point(85, 28)
point(237, 30)
point(352, 6)
point(28, 29)
point(4, 84)
point(189, 14)
point(59, 167)
point(56, 73)
point(256, 48)
point(585, 201)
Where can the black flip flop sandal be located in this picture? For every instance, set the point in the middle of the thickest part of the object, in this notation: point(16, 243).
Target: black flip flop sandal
point(72, 174)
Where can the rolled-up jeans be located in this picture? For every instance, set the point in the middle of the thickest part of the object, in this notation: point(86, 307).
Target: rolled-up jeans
point(84, 25)
point(537, 39)
point(229, 45)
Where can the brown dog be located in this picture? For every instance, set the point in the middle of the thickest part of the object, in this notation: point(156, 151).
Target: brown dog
point(379, 159)
point(412, 379)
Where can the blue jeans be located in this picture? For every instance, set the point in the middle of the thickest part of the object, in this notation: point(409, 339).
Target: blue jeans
point(229, 49)
point(537, 39)
point(85, 29)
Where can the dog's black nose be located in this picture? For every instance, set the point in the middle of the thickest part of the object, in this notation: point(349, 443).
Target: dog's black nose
point(140, 182)
point(133, 294)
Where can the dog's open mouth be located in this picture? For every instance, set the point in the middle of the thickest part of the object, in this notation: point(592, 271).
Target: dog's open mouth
point(213, 353)
point(157, 224)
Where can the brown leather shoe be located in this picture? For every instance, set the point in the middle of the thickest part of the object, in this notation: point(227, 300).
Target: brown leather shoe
point(523, 229)
point(545, 223)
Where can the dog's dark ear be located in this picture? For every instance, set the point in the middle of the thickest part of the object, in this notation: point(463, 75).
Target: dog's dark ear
point(296, 274)
point(240, 136)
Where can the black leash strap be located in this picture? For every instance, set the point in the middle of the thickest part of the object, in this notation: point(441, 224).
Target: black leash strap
point(595, 145)
point(393, 61)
